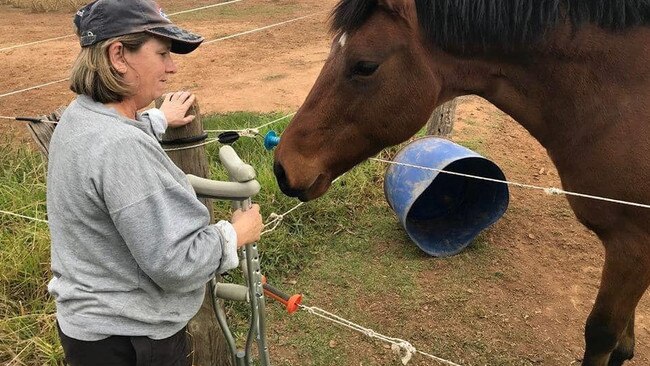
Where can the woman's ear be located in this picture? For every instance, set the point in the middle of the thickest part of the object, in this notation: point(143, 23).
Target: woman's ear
point(116, 56)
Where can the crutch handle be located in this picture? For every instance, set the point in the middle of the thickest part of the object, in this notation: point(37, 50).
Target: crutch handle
point(237, 169)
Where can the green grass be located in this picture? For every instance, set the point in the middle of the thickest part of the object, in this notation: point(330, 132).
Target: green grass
point(26, 324)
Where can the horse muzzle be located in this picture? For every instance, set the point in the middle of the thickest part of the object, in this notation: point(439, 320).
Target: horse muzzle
point(317, 188)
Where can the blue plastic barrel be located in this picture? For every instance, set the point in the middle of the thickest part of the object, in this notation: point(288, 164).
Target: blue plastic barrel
point(443, 213)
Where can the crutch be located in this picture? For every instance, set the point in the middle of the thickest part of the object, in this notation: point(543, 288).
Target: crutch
point(240, 189)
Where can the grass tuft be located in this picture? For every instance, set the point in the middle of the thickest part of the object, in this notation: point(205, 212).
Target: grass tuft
point(27, 333)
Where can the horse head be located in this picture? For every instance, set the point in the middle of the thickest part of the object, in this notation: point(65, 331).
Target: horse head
point(375, 90)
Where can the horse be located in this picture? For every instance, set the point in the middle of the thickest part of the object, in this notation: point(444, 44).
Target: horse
point(574, 73)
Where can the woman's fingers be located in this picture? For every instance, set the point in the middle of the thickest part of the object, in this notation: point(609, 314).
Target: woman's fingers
point(190, 99)
point(175, 106)
point(180, 96)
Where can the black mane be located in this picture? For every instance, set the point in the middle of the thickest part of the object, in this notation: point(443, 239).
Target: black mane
point(500, 24)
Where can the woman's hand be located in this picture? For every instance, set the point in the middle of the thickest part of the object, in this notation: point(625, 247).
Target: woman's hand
point(175, 106)
point(248, 225)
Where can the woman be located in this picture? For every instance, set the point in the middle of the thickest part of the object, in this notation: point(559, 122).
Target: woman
point(132, 247)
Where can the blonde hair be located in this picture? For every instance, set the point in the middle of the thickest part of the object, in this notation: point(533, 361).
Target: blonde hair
point(94, 75)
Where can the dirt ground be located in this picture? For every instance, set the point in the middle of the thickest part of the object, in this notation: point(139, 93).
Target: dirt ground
point(553, 262)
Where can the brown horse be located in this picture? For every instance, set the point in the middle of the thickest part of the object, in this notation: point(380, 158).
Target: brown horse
point(574, 73)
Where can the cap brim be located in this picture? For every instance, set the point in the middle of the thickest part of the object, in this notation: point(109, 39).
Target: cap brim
point(182, 41)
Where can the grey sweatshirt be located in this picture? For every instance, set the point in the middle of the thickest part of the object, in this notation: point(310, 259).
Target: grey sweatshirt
point(132, 247)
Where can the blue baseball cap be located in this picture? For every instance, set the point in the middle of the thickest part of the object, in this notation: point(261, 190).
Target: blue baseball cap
point(104, 19)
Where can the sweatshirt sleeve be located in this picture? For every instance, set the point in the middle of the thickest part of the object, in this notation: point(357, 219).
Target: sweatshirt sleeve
point(165, 227)
point(157, 121)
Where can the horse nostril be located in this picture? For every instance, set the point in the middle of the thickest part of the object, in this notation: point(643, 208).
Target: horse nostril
point(281, 177)
point(278, 170)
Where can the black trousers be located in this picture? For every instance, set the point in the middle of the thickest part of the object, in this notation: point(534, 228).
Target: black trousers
point(128, 351)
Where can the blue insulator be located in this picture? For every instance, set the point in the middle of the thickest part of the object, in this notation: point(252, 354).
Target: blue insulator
point(271, 140)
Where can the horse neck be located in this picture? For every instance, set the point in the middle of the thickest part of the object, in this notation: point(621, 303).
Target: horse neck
point(577, 87)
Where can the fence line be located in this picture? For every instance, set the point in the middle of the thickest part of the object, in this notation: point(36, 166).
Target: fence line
point(173, 149)
point(547, 190)
point(35, 42)
point(247, 132)
point(264, 28)
point(205, 43)
point(29, 119)
point(397, 344)
point(33, 87)
point(204, 7)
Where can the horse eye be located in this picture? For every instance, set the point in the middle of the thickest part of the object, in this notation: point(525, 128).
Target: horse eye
point(364, 68)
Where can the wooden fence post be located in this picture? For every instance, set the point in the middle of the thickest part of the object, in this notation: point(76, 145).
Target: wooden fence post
point(209, 345)
point(42, 132)
point(441, 122)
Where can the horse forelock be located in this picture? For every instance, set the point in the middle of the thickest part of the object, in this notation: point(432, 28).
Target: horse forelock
point(349, 15)
point(503, 25)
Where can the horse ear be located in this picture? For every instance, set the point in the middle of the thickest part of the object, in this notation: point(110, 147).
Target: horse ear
point(404, 8)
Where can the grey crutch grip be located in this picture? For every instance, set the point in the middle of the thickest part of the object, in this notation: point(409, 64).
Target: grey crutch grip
point(231, 291)
point(236, 168)
point(207, 188)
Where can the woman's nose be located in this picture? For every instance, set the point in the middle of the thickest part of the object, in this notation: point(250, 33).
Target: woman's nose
point(171, 66)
